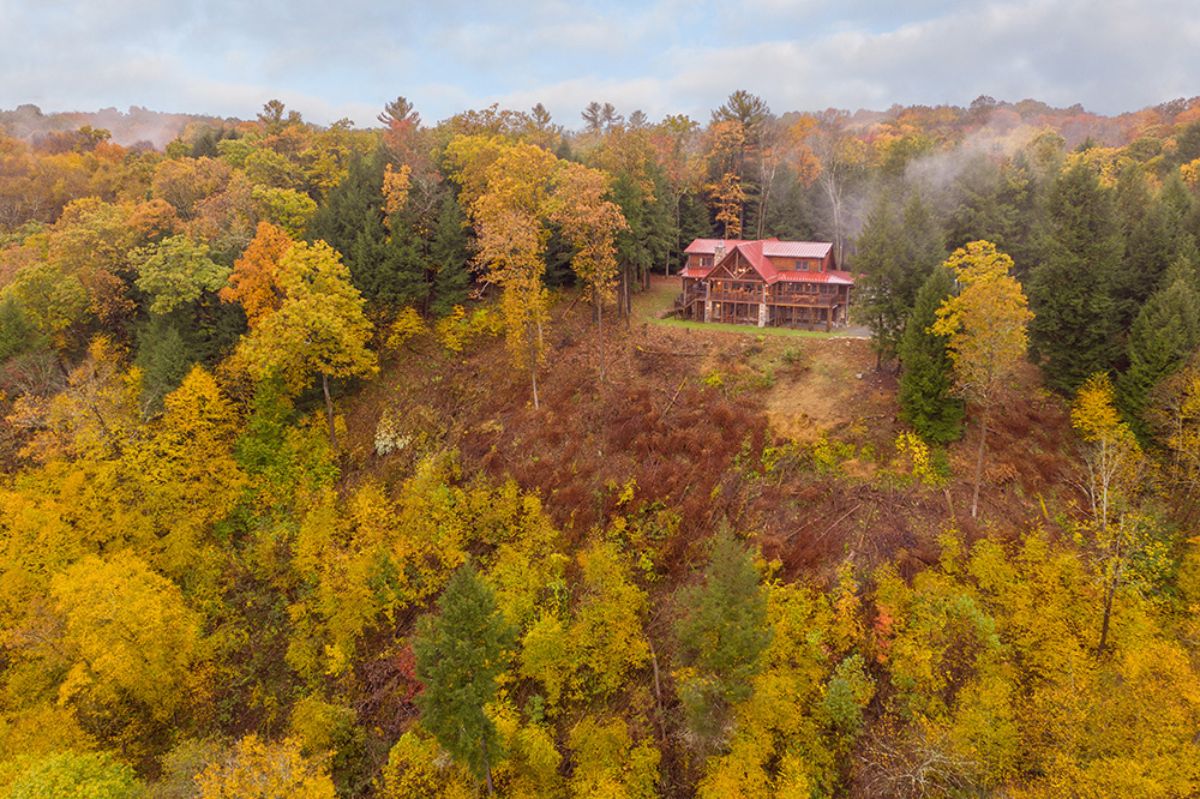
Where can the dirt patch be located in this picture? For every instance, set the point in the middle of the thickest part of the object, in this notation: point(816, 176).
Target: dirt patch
point(832, 390)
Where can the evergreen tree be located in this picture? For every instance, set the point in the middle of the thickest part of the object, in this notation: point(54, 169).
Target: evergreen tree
point(650, 234)
point(880, 293)
point(1187, 144)
point(1164, 335)
point(1075, 330)
point(351, 220)
point(459, 654)
point(1157, 239)
point(924, 247)
point(722, 632)
point(164, 358)
point(402, 259)
point(790, 214)
point(695, 222)
point(1001, 201)
point(927, 400)
point(17, 334)
point(895, 255)
point(448, 254)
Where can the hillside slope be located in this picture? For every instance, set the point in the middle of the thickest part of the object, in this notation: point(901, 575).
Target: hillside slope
point(790, 437)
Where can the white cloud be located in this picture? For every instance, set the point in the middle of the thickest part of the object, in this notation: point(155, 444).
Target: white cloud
point(348, 58)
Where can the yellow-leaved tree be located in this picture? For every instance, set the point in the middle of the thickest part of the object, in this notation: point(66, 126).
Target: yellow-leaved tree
point(505, 188)
point(609, 763)
point(128, 633)
point(985, 324)
point(256, 769)
point(1114, 464)
point(187, 476)
point(727, 152)
point(320, 327)
point(95, 415)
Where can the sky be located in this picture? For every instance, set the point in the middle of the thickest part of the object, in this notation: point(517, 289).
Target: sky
point(331, 59)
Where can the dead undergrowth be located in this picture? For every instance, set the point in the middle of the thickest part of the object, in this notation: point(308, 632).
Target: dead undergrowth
point(685, 421)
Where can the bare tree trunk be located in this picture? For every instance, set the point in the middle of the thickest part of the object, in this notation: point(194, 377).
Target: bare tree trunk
point(662, 730)
point(768, 178)
point(533, 379)
point(833, 191)
point(487, 768)
point(979, 465)
point(600, 333)
point(628, 307)
point(678, 234)
point(1110, 592)
point(328, 410)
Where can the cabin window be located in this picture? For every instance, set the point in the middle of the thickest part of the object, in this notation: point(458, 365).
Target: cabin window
point(802, 266)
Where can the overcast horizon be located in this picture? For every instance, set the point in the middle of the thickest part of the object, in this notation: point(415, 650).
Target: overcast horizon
point(347, 60)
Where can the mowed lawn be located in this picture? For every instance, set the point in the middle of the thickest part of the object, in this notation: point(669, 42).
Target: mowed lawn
point(649, 304)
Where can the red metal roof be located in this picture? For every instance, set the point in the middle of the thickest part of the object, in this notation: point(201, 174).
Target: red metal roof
point(758, 253)
point(796, 249)
point(773, 248)
point(709, 246)
point(835, 276)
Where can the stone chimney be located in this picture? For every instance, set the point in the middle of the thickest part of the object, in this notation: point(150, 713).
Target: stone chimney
point(719, 252)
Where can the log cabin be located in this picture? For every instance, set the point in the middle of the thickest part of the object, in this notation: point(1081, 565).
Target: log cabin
point(766, 282)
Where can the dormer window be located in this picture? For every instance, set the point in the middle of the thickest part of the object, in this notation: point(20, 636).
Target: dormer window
point(802, 265)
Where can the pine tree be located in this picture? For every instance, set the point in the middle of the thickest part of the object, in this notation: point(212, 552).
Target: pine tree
point(896, 255)
point(164, 358)
point(448, 255)
point(320, 327)
point(927, 399)
point(722, 633)
point(1074, 333)
point(924, 247)
point(880, 294)
point(460, 652)
point(1165, 333)
point(1157, 239)
point(17, 333)
point(401, 277)
point(352, 221)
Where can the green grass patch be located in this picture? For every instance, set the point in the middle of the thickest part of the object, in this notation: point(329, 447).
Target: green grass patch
point(721, 327)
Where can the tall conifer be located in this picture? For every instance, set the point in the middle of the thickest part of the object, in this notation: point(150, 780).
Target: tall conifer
point(1164, 335)
point(927, 400)
point(459, 655)
point(1075, 331)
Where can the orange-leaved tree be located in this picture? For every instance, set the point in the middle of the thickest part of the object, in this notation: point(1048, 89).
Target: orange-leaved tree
point(590, 223)
point(254, 281)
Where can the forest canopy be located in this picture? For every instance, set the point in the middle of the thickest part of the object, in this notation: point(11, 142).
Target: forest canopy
point(360, 462)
